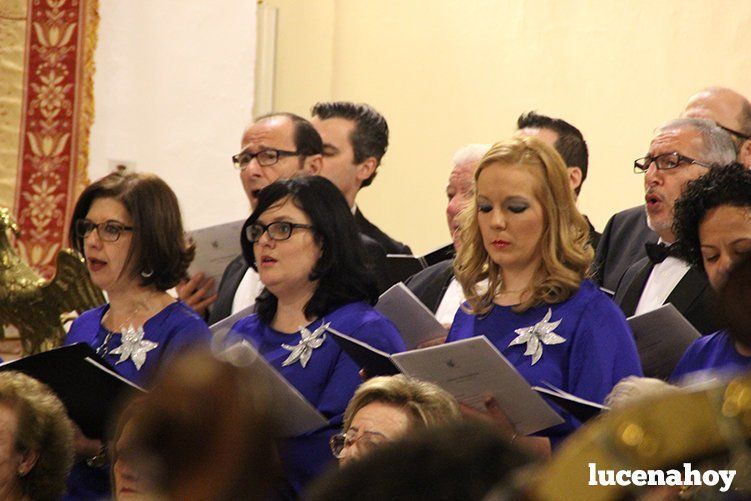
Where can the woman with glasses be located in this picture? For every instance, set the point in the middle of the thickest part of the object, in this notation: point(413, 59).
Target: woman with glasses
point(386, 408)
point(522, 265)
point(129, 230)
point(303, 241)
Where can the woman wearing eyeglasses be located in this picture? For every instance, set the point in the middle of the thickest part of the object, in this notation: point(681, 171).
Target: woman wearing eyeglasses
point(129, 229)
point(303, 241)
point(386, 408)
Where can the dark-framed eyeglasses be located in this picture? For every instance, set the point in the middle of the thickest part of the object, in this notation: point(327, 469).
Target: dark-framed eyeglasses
point(108, 231)
point(367, 440)
point(740, 135)
point(266, 157)
point(278, 230)
point(666, 161)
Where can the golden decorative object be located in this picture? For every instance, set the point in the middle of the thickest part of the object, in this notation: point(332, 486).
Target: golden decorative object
point(34, 305)
point(711, 425)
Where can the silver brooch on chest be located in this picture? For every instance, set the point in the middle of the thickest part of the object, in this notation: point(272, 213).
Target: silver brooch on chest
point(309, 341)
point(537, 335)
point(133, 346)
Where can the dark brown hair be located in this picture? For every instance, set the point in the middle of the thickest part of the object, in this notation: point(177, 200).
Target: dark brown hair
point(159, 251)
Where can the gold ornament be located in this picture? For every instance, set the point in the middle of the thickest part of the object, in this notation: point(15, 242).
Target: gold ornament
point(34, 305)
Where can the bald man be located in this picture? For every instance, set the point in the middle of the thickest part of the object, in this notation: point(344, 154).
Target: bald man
point(730, 111)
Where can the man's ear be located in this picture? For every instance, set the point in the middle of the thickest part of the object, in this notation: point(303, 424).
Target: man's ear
point(744, 155)
point(313, 164)
point(366, 169)
point(574, 177)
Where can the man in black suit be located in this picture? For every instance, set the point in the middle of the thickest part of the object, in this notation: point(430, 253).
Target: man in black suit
point(682, 150)
point(355, 138)
point(626, 233)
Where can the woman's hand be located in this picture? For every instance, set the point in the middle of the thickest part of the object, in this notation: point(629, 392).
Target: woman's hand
point(494, 416)
point(83, 446)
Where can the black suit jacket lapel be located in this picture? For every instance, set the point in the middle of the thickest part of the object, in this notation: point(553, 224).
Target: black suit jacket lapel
point(630, 299)
point(690, 287)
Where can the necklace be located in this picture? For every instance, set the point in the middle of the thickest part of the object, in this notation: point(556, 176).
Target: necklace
point(126, 325)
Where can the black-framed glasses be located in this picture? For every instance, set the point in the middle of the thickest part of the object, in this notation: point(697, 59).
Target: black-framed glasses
point(367, 440)
point(266, 157)
point(278, 230)
point(734, 132)
point(108, 231)
point(666, 161)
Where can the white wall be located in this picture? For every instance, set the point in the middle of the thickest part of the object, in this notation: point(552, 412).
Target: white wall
point(173, 90)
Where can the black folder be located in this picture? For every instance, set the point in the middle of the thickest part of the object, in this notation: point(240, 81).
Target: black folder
point(87, 385)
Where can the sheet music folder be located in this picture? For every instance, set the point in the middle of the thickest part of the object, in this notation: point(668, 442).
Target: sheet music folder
point(86, 384)
point(470, 369)
point(662, 337)
point(402, 266)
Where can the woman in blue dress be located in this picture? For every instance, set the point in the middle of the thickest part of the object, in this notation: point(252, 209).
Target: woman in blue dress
point(522, 265)
point(713, 229)
point(303, 241)
point(129, 229)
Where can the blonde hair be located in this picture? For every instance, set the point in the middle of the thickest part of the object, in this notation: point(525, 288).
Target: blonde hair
point(427, 404)
point(566, 253)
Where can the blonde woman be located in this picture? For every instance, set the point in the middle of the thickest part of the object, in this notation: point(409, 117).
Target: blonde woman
point(385, 409)
point(522, 265)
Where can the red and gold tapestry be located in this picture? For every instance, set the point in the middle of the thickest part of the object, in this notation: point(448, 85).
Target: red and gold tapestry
point(46, 110)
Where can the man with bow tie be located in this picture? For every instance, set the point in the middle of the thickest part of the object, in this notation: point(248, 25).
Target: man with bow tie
point(683, 150)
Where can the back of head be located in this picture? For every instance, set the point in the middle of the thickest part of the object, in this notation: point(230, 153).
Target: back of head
point(428, 404)
point(370, 137)
point(460, 461)
point(570, 143)
point(159, 248)
point(204, 432)
point(43, 429)
point(307, 140)
point(341, 272)
point(566, 254)
point(722, 105)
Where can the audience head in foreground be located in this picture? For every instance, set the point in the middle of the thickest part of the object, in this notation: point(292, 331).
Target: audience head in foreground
point(522, 230)
point(204, 432)
point(386, 408)
point(730, 111)
point(683, 150)
point(459, 461)
point(36, 440)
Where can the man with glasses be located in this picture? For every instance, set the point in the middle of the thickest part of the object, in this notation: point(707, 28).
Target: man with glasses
point(730, 111)
point(626, 232)
point(274, 146)
point(683, 150)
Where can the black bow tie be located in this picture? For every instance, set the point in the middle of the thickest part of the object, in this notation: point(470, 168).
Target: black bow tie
point(657, 253)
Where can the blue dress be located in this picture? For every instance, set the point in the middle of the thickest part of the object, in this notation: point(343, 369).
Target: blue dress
point(715, 352)
point(174, 329)
point(598, 348)
point(328, 380)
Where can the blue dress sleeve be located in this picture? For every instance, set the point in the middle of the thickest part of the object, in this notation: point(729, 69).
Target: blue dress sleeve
point(462, 327)
point(603, 351)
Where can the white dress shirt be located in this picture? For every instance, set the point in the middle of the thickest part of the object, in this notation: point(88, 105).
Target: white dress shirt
point(247, 290)
point(661, 282)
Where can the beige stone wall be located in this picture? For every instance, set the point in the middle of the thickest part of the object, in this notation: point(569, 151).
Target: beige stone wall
point(449, 72)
